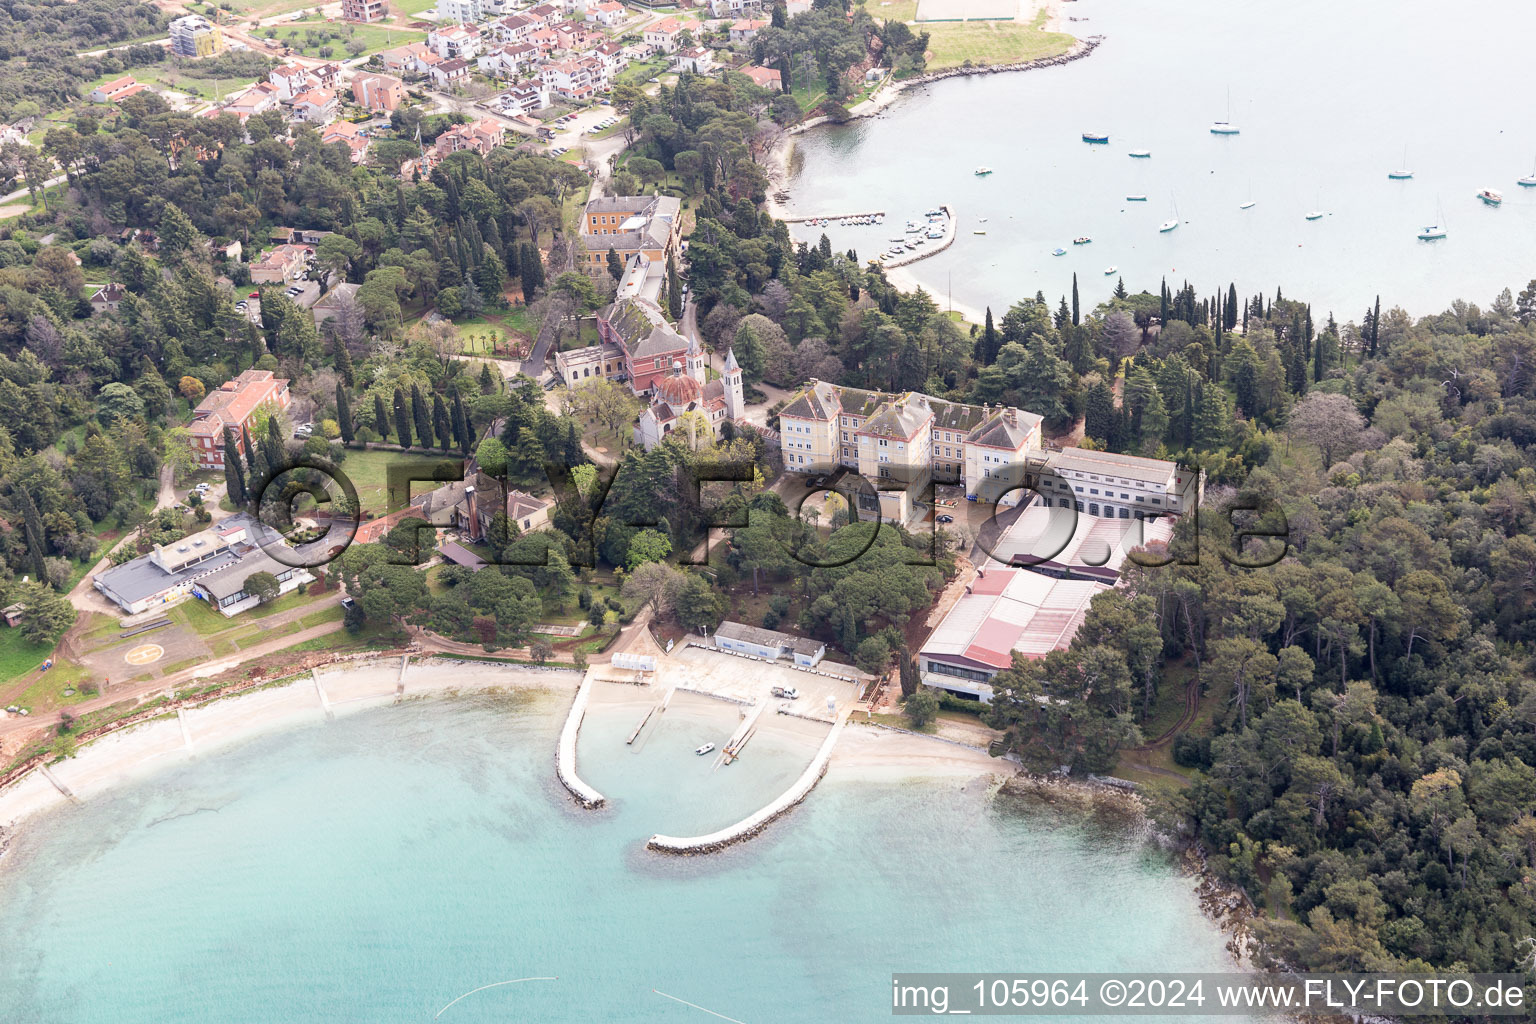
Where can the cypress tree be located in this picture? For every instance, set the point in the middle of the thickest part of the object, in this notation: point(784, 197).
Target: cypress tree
point(402, 420)
point(380, 417)
point(1232, 306)
point(989, 344)
point(272, 444)
point(343, 360)
point(343, 413)
point(1120, 291)
point(1163, 303)
point(487, 381)
point(1077, 314)
point(234, 476)
point(440, 424)
point(1375, 326)
point(422, 415)
point(461, 426)
point(615, 265)
point(1317, 359)
point(675, 288)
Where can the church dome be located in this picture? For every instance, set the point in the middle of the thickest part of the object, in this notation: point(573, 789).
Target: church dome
point(679, 390)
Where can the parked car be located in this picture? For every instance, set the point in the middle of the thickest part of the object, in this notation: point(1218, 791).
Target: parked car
point(254, 295)
point(946, 519)
point(787, 692)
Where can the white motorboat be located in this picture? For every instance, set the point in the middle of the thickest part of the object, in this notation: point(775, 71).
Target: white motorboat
point(1491, 196)
point(705, 749)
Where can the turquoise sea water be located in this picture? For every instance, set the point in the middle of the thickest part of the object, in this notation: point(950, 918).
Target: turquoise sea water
point(377, 867)
point(1327, 95)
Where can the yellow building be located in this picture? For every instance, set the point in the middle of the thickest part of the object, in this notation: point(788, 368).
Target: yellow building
point(196, 36)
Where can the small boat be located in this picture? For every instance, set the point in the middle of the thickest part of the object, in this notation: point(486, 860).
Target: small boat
point(1246, 206)
point(1431, 232)
point(1401, 175)
point(982, 172)
point(912, 226)
point(935, 232)
point(1110, 270)
point(1141, 154)
point(1315, 215)
point(979, 231)
point(982, 219)
point(1226, 127)
point(705, 749)
point(1529, 181)
point(1095, 136)
point(1168, 225)
point(934, 213)
point(1081, 240)
point(898, 238)
point(1491, 196)
point(1135, 199)
point(1058, 252)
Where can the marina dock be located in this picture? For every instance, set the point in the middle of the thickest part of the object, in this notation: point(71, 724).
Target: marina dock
point(951, 228)
point(565, 752)
point(759, 820)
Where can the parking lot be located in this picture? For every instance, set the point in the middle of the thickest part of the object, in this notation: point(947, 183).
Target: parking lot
point(752, 679)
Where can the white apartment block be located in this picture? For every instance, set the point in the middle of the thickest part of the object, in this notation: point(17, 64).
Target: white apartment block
point(460, 11)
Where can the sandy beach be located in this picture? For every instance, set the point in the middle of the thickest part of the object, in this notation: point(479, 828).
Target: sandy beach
point(307, 700)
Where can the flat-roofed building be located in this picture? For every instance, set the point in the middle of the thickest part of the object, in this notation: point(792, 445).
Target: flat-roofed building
point(195, 36)
point(225, 588)
point(768, 644)
point(1003, 613)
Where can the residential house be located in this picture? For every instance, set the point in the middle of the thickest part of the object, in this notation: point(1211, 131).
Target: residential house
point(607, 13)
point(116, 90)
point(507, 60)
point(328, 75)
point(292, 80)
point(450, 73)
point(545, 14)
point(545, 39)
point(317, 106)
point(514, 28)
point(258, 99)
point(630, 224)
point(459, 11)
point(107, 298)
point(481, 136)
point(402, 59)
point(611, 54)
point(377, 92)
point(334, 301)
point(349, 135)
point(570, 79)
point(233, 406)
point(663, 35)
point(764, 78)
point(727, 8)
point(364, 11)
point(526, 98)
point(696, 59)
point(746, 30)
point(462, 42)
point(278, 265)
point(195, 36)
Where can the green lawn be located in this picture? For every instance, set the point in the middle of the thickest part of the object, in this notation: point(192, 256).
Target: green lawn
point(17, 657)
point(641, 72)
point(335, 613)
point(369, 472)
point(373, 37)
point(199, 617)
point(894, 10)
point(410, 7)
point(987, 42)
point(183, 80)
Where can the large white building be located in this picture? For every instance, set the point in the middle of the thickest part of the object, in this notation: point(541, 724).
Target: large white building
point(902, 444)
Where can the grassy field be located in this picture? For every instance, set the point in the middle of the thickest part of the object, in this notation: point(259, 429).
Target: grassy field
point(17, 657)
point(373, 37)
point(181, 80)
point(992, 42)
point(641, 72)
point(408, 8)
point(369, 471)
